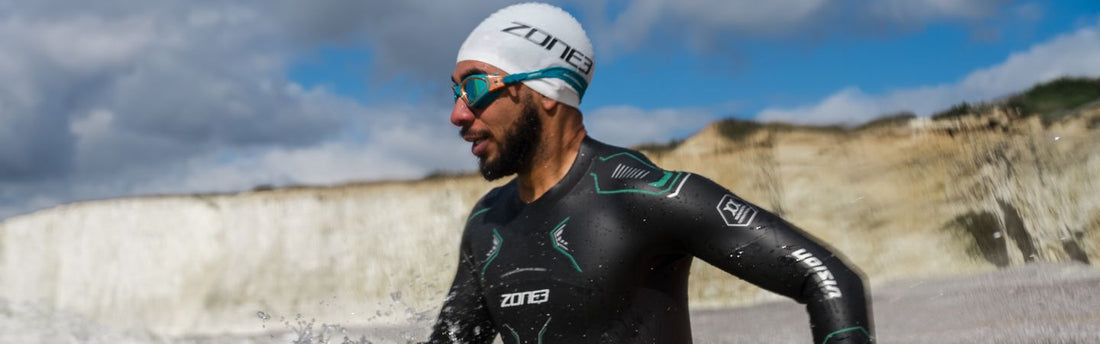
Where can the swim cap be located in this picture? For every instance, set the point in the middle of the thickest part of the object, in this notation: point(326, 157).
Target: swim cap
point(532, 36)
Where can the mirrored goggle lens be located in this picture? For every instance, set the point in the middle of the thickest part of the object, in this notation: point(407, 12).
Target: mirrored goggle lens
point(475, 89)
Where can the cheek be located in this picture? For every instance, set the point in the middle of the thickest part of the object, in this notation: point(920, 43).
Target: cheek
point(499, 123)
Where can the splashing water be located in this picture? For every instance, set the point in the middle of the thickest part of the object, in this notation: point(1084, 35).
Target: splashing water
point(305, 334)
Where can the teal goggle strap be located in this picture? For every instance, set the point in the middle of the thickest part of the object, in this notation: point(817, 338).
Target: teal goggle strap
point(568, 75)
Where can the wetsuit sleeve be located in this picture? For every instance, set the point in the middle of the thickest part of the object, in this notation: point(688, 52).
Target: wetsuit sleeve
point(464, 318)
point(763, 249)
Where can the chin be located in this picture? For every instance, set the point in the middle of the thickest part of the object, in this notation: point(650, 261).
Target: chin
point(492, 170)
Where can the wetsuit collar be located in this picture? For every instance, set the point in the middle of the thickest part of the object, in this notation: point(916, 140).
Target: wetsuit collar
point(576, 171)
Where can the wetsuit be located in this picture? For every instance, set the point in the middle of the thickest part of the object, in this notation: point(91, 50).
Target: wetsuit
point(604, 255)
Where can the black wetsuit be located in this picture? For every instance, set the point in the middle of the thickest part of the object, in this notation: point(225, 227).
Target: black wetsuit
point(603, 257)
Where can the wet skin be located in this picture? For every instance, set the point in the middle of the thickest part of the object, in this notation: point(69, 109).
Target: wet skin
point(486, 128)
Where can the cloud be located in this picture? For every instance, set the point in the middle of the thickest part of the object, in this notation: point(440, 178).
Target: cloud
point(1072, 54)
point(628, 126)
point(114, 98)
point(328, 163)
point(379, 144)
point(920, 11)
point(373, 144)
point(419, 38)
point(699, 23)
point(721, 26)
point(152, 82)
point(120, 97)
point(416, 37)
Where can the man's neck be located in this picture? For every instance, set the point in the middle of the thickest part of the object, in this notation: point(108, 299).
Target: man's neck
point(552, 161)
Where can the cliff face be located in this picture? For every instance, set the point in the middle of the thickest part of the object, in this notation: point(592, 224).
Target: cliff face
point(208, 264)
point(906, 200)
point(924, 198)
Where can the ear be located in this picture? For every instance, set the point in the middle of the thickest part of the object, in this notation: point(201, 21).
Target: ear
point(547, 103)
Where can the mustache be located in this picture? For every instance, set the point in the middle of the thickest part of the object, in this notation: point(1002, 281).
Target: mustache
point(466, 130)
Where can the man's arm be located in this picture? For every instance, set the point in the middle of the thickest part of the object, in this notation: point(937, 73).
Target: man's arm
point(759, 247)
point(464, 317)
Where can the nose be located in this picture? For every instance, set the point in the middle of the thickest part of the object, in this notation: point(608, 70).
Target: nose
point(461, 115)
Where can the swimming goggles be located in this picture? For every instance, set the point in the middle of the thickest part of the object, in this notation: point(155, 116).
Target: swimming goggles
point(479, 90)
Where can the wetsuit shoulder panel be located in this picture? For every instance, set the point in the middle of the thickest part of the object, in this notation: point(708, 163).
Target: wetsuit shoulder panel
point(624, 171)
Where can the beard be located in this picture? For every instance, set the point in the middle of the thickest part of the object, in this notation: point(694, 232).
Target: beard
point(519, 145)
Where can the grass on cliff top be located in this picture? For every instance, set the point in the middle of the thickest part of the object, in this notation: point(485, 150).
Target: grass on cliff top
point(1051, 101)
point(1056, 99)
point(737, 129)
point(963, 109)
point(445, 174)
point(899, 118)
point(657, 147)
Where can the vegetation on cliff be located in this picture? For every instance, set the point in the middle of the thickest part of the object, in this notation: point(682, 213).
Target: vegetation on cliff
point(1051, 101)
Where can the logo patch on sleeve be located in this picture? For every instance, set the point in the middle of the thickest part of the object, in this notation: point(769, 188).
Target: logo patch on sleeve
point(735, 211)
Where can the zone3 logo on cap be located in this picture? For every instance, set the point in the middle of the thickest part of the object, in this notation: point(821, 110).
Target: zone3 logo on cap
point(569, 54)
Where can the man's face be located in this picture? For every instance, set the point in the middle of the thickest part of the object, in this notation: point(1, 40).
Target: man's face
point(505, 133)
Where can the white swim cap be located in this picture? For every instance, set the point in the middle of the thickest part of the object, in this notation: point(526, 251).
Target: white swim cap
point(531, 36)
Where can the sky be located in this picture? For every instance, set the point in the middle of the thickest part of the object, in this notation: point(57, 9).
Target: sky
point(120, 98)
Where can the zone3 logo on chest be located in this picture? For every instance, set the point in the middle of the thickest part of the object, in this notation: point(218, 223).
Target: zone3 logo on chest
point(525, 298)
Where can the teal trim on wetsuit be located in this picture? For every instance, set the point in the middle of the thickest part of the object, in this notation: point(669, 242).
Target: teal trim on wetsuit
point(614, 267)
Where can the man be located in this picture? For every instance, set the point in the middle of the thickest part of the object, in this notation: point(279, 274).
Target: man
point(592, 243)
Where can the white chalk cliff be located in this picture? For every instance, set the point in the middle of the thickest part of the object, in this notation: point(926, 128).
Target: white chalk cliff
point(905, 199)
